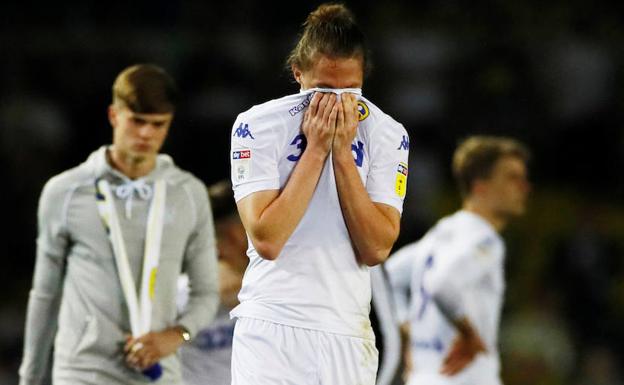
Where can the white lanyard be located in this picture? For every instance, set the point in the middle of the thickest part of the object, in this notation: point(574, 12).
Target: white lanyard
point(140, 309)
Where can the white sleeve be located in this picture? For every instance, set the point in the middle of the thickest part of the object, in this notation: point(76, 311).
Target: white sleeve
point(399, 267)
point(387, 177)
point(458, 271)
point(254, 155)
point(45, 297)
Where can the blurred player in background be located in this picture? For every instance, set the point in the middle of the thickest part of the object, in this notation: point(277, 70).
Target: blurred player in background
point(207, 359)
point(114, 233)
point(455, 272)
point(384, 319)
point(319, 178)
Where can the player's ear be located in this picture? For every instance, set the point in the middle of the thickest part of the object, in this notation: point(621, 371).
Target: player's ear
point(112, 116)
point(479, 187)
point(297, 74)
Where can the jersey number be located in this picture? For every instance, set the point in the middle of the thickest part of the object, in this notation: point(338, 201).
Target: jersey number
point(301, 143)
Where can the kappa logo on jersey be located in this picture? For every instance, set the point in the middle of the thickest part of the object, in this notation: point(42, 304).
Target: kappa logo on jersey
point(243, 131)
point(404, 143)
point(242, 154)
point(400, 185)
point(301, 106)
point(363, 111)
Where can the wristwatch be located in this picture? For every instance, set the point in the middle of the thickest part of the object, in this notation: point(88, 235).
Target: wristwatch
point(186, 336)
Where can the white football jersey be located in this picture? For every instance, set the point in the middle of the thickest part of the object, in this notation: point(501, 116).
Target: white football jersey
point(206, 360)
point(315, 282)
point(456, 270)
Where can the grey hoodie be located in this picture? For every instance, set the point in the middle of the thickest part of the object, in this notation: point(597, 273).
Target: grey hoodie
point(76, 299)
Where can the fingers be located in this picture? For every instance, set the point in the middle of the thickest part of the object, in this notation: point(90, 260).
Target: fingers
point(340, 122)
point(453, 362)
point(331, 120)
point(319, 121)
point(350, 107)
point(454, 365)
point(128, 344)
point(140, 353)
point(461, 354)
point(327, 107)
point(313, 108)
point(346, 124)
point(133, 351)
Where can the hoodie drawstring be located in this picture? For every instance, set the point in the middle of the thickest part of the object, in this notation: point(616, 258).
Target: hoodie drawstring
point(126, 191)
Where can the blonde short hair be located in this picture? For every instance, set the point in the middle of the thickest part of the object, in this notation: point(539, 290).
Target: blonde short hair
point(145, 88)
point(476, 156)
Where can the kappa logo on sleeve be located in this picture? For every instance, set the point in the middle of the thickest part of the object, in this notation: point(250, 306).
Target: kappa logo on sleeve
point(400, 184)
point(243, 131)
point(404, 143)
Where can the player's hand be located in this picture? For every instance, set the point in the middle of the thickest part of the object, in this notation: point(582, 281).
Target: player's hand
point(346, 125)
point(146, 350)
point(319, 122)
point(465, 348)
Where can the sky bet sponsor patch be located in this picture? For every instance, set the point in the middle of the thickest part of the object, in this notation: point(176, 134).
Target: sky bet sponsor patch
point(241, 165)
point(400, 186)
point(242, 154)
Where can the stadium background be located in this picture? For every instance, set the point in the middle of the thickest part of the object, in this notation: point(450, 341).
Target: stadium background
point(548, 73)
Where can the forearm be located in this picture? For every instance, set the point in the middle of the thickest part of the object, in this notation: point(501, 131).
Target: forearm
point(464, 327)
point(372, 231)
point(41, 320)
point(39, 334)
point(271, 227)
point(203, 296)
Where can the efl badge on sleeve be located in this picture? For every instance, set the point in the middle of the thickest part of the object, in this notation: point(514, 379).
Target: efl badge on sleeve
point(241, 165)
point(400, 185)
point(363, 111)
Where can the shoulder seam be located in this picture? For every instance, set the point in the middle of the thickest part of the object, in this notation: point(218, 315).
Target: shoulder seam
point(68, 195)
point(193, 204)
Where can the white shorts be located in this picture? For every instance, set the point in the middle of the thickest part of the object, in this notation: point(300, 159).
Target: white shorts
point(266, 353)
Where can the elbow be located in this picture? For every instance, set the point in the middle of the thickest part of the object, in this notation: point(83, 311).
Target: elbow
point(374, 257)
point(380, 253)
point(267, 250)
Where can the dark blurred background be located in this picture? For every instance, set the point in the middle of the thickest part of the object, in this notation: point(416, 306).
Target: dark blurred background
point(547, 73)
